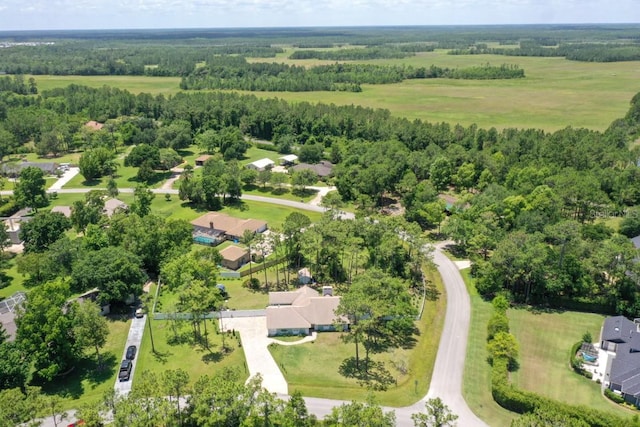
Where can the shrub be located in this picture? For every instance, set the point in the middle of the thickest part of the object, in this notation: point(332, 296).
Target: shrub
point(613, 396)
point(9, 207)
point(497, 323)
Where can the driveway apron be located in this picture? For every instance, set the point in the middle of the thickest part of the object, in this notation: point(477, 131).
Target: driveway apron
point(253, 335)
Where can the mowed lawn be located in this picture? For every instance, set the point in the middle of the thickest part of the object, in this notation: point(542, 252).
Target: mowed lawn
point(476, 386)
point(545, 343)
point(86, 384)
point(183, 354)
point(312, 368)
point(545, 340)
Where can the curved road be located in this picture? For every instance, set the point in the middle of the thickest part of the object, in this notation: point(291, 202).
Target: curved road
point(446, 381)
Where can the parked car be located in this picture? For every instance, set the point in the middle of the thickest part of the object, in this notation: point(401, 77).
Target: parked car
point(125, 370)
point(77, 424)
point(139, 313)
point(131, 352)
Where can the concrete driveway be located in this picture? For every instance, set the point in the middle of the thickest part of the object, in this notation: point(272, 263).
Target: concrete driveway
point(64, 179)
point(253, 335)
point(134, 338)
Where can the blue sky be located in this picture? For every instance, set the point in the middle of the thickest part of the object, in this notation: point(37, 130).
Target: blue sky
point(108, 14)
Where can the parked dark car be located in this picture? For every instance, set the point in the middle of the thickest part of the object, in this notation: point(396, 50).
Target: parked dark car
point(131, 352)
point(125, 370)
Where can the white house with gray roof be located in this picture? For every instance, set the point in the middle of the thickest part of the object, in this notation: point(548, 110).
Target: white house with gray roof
point(621, 338)
point(301, 312)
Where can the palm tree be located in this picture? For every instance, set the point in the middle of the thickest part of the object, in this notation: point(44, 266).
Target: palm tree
point(247, 239)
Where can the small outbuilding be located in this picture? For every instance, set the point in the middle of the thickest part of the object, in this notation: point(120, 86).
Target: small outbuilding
point(202, 159)
point(288, 160)
point(234, 257)
point(262, 164)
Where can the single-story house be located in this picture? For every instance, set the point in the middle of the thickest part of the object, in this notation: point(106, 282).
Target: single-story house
point(92, 124)
point(64, 210)
point(322, 169)
point(14, 169)
point(621, 338)
point(214, 228)
point(200, 160)
point(234, 257)
point(112, 206)
point(261, 164)
point(288, 160)
point(92, 296)
point(301, 312)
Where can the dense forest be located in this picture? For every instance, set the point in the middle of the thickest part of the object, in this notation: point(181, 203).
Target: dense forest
point(530, 201)
point(237, 73)
point(588, 52)
point(180, 52)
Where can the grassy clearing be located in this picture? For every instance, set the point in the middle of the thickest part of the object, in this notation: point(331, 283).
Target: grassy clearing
point(545, 341)
point(476, 386)
point(134, 84)
point(181, 353)
point(66, 158)
point(300, 363)
point(12, 281)
point(85, 384)
point(554, 94)
point(125, 178)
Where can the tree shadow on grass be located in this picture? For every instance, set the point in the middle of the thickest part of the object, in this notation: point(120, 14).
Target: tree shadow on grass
point(155, 179)
point(431, 292)
point(369, 373)
point(238, 204)
point(304, 192)
point(279, 191)
point(91, 182)
point(70, 385)
point(216, 356)
point(162, 357)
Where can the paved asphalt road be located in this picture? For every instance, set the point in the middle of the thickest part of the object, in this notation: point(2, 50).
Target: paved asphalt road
point(446, 381)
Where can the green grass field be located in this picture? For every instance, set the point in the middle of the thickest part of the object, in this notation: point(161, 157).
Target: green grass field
point(545, 340)
point(300, 363)
point(134, 84)
point(554, 94)
point(476, 386)
point(183, 354)
point(85, 384)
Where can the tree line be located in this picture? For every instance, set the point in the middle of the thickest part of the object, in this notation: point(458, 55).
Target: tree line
point(237, 73)
point(133, 59)
point(586, 52)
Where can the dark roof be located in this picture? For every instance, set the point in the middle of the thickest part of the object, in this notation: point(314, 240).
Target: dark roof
point(322, 169)
point(16, 168)
point(625, 367)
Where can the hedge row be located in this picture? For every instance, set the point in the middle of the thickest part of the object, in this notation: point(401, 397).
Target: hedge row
point(521, 401)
